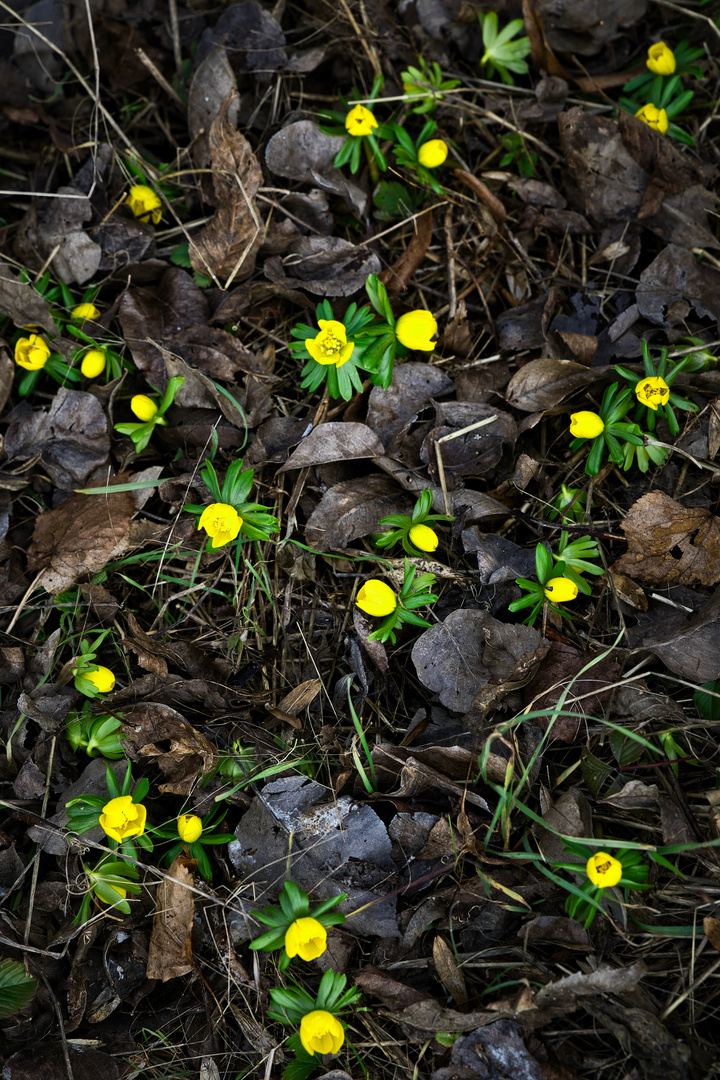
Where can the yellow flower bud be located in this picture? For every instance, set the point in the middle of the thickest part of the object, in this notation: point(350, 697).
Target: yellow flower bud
point(189, 827)
point(122, 818)
point(433, 153)
point(101, 677)
point(560, 590)
point(143, 407)
point(661, 59)
point(415, 329)
point(423, 537)
point(376, 598)
point(331, 346)
point(144, 203)
point(306, 938)
point(652, 392)
point(31, 352)
point(321, 1032)
point(221, 522)
point(83, 312)
point(586, 425)
point(360, 121)
point(603, 870)
point(653, 117)
point(93, 363)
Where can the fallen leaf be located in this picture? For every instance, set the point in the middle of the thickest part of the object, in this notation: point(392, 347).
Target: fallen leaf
point(147, 726)
point(354, 508)
point(543, 383)
point(71, 437)
point(301, 151)
point(392, 411)
point(644, 1039)
point(170, 948)
point(583, 694)
point(212, 83)
point(23, 303)
point(674, 282)
point(689, 647)
point(494, 1050)
point(392, 993)
point(711, 927)
point(47, 1061)
point(324, 266)
point(253, 37)
point(336, 441)
point(448, 971)
point(226, 247)
point(668, 543)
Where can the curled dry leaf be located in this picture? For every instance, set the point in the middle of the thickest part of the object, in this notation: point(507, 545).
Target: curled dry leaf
point(336, 441)
point(354, 508)
point(22, 302)
point(669, 543)
point(324, 266)
point(170, 949)
point(543, 383)
point(392, 411)
point(673, 283)
point(148, 725)
point(212, 83)
point(71, 437)
point(301, 151)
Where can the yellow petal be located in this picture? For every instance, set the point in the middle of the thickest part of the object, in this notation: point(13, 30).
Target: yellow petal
point(603, 870)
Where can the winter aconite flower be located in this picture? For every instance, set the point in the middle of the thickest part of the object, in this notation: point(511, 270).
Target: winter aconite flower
point(415, 329)
point(652, 392)
point(331, 346)
point(306, 938)
point(360, 121)
point(189, 827)
point(603, 870)
point(101, 677)
point(423, 537)
point(661, 59)
point(586, 425)
point(122, 818)
point(221, 522)
point(653, 117)
point(433, 153)
point(321, 1033)
point(31, 352)
point(561, 590)
point(93, 363)
point(143, 407)
point(144, 203)
point(376, 598)
point(84, 311)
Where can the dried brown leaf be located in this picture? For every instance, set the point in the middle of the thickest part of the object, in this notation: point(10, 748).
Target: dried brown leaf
point(71, 437)
point(448, 971)
point(149, 725)
point(354, 508)
point(336, 441)
point(170, 949)
point(543, 383)
point(669, 543)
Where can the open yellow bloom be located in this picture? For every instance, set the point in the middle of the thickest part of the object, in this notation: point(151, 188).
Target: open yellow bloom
point(560, 590)
point(31, 352)
point(93, 363)
point(306, 938)
point(661, 59)
point(122, 818)
point(189, 827)
point(652, 392)
point(84, 311)
point(102, 678)
point(221, 522)
point(415, 329)
point(143, 407)
point(603, 870)
point(433, 153)
point(144, 203)
point(331, 346)
point(321, 1032)
point(653, 117)
point(423, 537)
point(586, 425)
point(360, 121)
point(376, 598)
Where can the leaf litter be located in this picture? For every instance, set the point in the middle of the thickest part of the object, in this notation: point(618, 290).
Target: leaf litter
point(438, 782)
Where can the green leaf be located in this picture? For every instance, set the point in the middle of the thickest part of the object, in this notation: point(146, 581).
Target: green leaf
point(16, 988)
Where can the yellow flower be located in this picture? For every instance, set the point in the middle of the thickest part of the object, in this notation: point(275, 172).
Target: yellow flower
point(423, 537)
point(321, 1032)
point(221, 522)
point(415, 329)
point(101, 677)
point(143, 407)
point(603, 870)
point(561, 590)
point(93, 363)
point(653, 117)
point(189, 827)
point(376, 598)
point(306, 938)
point(360, 121)
point(331, 346)
point(144, 203)
point(122, 818)
point(586, 425)
point(661, 59)
point(432, 153)
point(83, 312)
point(31, 352)
point(652, 392)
